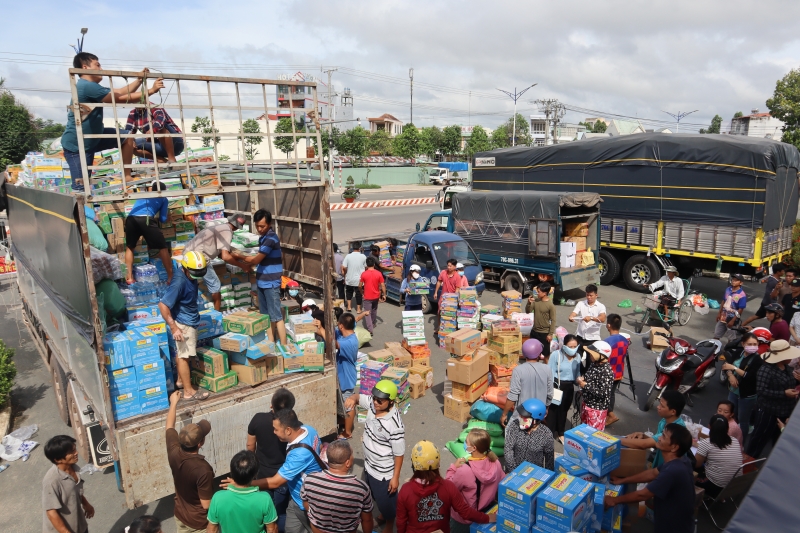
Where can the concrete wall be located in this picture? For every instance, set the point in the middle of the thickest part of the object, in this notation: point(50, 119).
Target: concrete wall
point(381, 175)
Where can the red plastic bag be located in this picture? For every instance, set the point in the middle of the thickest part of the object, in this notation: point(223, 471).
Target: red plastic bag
point(496, 395)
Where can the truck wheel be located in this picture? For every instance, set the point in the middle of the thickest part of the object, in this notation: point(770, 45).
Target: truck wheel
point(609, 268)
point(81, 436)
point(426, 305)
point(60, 390)
point(513, 283)
point(638, 270)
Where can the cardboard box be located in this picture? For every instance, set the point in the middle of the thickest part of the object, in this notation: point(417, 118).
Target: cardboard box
point(142, 312)
point(604, 519)
point(425, 372)
point(631, 462)
point(473, 391)
point(215, 384)
point(597, 452)
point(153, 399)
point(125, 404)
point(117, 351)
point(405, 362)
point(210, 324)
point(384, 356)
point(313, 362)
point(416, 386)
point(122, 379)
point(580, 242)
point(143, 344)
point(118, 226)
point(576, 229)
point(245, 323)
point(210, 362)
point(466, 372)
point(505, 345)
point(151, 373)
point(397, 349)
point(503, 328)
point(517, 494)
point(565, 466)
point(156, 325)
point(658, 342)
point(566, 504)
point(499, 359)
point(463, 342)
point(456, 409)
point(422, 361)
point(232, 342)
point(258, 371)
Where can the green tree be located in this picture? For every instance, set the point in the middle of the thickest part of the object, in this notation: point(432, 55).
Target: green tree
point(785, 105)
point(8, 372)
point(477, 142)
point(716, 124)
point(451, 140)
point(523, 133)
point(47, 129)
point(380, 142)
point(203, 125)
point(599, 127)
point(355, 143)
point(430, 139)
point(325, 137)
point(738, 114)
point(17, 129)
point(500, 136)
point(251, 126)
point(408, 143)
point(284, 144)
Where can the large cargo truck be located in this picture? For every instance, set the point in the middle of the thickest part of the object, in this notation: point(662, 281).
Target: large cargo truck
point(720, 203)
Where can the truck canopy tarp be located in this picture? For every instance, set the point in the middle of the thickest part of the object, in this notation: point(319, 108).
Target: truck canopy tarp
point(727, 180)
point(770, 506)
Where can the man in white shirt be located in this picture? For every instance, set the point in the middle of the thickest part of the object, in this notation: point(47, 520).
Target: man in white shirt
point(673, 289)
point(353, 265)
point(590, 316)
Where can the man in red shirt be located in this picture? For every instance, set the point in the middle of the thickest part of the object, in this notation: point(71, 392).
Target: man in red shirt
point(449, 280)
point(373, 290)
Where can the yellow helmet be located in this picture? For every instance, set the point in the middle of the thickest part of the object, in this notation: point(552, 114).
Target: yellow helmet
point(425, 456)
point(195, 263)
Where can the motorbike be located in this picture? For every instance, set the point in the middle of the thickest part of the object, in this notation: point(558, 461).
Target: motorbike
point(697, 364)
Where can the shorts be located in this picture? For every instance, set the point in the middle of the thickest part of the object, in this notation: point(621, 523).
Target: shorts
point(762, 312)
point(269, 303)
point(145, 144)
point(188, 347)
point(74, 158)
point(212, 281)
point(345, 395)
point(386, 503)
point(183, 528)
point(137, 227)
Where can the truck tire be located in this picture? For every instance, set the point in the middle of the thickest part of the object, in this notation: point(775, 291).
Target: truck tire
point(609, 268)
point(638, 270)
point(60, 390)
point(513, 283)
point(79, 431)
point(426, 305)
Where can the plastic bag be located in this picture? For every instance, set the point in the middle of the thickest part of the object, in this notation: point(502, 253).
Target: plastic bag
point(88, 468)
point(494, 430)
point(363, 336)
point(16, 444)
point(486, 411)
point(625, 304)
point(457, 449)
point(713, 304)
point(496, 395)
point(104, 266)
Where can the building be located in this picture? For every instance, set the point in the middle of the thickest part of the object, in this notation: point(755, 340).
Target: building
point(386, 122)
point(339, 109)
point(624, 127)
point(659, 130)
point(590, 121)
point(569, 132)
point(588, 136)
point(540, 125)
point(757, 125)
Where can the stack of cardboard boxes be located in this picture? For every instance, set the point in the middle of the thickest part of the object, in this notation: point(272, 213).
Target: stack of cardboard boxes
point(448, 316)
point(468, 308)
point(468, 372)
point(414, 328)
point(505, 339)
point(245, 344)
point(512, 303)
point(516, 497)
point(384, 256)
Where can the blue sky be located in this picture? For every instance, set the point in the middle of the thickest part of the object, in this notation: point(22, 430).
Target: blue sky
point(629, 58)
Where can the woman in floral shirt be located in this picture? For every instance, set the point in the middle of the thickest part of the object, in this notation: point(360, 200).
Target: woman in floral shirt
point(596, 385)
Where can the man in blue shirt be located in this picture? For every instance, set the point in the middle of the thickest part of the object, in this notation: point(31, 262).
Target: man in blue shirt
point(143, 222)
point(346, 356)
point(734, 301)
point(179, 310)
point(302, 458)
point(269, 269)
point(91, 92)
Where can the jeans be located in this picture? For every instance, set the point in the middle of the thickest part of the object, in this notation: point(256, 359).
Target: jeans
point(372, 318)
point(349, 292)
point(177, 144)
point(734, 399)
point(280, 498)
point(269, 303)
point(74, 158)
point(746, 406)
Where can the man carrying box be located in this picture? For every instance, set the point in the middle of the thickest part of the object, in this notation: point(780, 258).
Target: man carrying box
point(180, 300)
point(142, 222)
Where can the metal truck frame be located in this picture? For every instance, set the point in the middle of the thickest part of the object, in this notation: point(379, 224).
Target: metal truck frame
point(56, 285)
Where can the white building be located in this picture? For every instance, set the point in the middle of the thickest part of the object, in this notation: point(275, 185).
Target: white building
point(386, 122)
point(757, 125)
point(540, 125)
point(569, 132)
point(624, 127)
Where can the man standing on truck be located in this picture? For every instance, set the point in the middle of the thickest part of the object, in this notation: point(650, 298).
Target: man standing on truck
point(191, 473)
point(143, 222)
point(91, 92)
point(179, 310)
point(590, 315)
point(544, 317)
point(215, 241)
point(353, 266)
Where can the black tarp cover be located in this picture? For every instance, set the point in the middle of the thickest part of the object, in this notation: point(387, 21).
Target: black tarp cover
point(708, 179)
point(517, 208)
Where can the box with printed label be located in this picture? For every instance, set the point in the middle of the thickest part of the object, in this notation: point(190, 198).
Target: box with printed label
point(151, 373)
point(484, 528)
point(118, 354)
point(507, 344)
point(143, 344)
point(423, 371)
point(143, 311)
point(604, 519)
point(416, 387)
point(259, 371)
point(232, 342)
point(517, 492)
point(456, 409)
point(217, 384)
point(466, 372)
point(313, 348)
point(566, 504)
point(294, 363)
point(564, 465)
point(210, 324)
point(597, 452)
point(471, 392)
point(210, 362)
point(156, 325)
point(122, 379)
point(395, 375)
point(421, 361)
point(396, 348)
point(384, 356)
point(404, 362)
point(154, 398)
point(125, 404)
point(313, 362)
point(245, 323)
point(463, 342)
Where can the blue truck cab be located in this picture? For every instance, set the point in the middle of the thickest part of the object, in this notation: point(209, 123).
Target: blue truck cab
point(430, 250)
point(518, 235)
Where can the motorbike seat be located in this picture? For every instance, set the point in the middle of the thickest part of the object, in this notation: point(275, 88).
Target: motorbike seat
point(705, 351)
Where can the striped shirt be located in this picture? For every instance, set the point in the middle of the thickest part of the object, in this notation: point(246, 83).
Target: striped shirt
point(270, 269)
point(721, 464)
point(383, 439)
point(335, 502)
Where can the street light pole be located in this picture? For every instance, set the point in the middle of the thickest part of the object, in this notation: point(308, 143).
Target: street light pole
point(411, 77)
point(515, 96)
point(678, 116)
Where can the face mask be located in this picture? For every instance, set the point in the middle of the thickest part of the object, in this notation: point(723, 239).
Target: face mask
point(292, 293)
point(525, 423)
point(570, 351)
point(308, 313)
point(415, 275)
point(751, 349)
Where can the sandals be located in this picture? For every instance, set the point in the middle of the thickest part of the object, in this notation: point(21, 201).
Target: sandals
point(199, 395)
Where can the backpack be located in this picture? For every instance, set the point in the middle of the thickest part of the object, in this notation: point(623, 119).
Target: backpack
point(322, 464)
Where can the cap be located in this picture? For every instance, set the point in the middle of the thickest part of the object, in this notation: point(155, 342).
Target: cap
point(737, 276)
point(414, 268)
point(780, 351)
point(459, 265)
point(795, 282)
point(671, 269)
point(192, 435)
point(308, 303)
point(237, 221)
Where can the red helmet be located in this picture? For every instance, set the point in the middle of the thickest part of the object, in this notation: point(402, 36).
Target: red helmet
point(293, 283)
point(763, 334)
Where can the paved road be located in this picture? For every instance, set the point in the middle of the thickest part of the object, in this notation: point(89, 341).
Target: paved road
point(390, 193)
point(357, 223)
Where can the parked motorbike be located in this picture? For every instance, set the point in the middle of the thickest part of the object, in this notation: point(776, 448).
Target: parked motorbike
point(697, 364)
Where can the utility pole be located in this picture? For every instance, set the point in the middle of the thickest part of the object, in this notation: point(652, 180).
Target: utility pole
point(554, 108)
point(515, 96)
point(330, 71)
point(411, 77)
point(678, 117)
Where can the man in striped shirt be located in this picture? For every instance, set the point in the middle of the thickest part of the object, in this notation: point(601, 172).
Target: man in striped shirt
point(335, 499)
point(384, 446)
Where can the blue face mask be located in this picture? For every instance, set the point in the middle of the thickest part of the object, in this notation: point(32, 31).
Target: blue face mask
point(570, 351)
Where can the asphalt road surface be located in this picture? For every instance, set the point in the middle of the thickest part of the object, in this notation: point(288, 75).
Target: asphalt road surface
point(410, 191)
point(358, 223)
point(33, 403)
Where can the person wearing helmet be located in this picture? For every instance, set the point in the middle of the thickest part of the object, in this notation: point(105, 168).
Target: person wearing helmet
point(426, 502)
point(215, 241)
point(771, 283)
point(528, 438)
point(384, 442)
point(672, 292)
point(742, 374)
point(269, 271)
point(143, 221)
point(464, 283)
point(734, 302)
point(777, 325)
point(179, 310)
point(413, 301)
point(596, 385)
point(531, 379)
point(290, 288)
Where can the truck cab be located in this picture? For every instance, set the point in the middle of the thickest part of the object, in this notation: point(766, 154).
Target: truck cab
point(447, 173)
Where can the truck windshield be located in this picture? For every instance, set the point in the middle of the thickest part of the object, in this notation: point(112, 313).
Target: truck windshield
point(458, 250)
point(435, 172)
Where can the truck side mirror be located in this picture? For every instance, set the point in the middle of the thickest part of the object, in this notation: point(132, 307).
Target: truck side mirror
point(417, 226)
point(429, 265)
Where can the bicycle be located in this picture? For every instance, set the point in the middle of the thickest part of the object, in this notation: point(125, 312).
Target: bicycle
point(679, 314)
